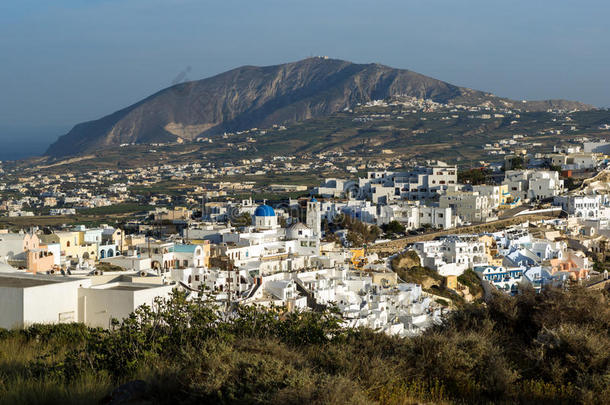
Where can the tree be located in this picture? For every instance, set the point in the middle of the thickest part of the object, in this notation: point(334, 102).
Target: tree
point(474, 176)
point(517, 163)
point(244, 219)
point(393, 227)
point(354, 238)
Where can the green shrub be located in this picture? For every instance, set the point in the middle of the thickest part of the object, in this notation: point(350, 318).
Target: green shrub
point(471, 280)
point(552, 347)
point(62, 334)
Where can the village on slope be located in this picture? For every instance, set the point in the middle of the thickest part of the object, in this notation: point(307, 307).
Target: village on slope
point(394, 250)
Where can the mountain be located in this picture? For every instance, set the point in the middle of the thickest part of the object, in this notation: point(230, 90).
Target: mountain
point(252, 96)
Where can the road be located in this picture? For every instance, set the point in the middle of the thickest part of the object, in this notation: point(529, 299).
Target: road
point(399, 244)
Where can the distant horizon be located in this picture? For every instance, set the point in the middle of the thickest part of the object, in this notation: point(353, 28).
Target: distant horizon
point(28, 141)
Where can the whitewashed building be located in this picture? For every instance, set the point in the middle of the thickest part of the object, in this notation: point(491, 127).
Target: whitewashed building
point(533, 184)
point(452, 255)
point(580, 206)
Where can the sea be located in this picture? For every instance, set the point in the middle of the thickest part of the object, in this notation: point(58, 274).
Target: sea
point(21, 142)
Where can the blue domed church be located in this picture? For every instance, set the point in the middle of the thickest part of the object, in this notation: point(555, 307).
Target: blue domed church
point(264, 217)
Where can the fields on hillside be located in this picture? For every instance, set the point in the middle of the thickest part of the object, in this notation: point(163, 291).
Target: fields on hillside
point(454, 137)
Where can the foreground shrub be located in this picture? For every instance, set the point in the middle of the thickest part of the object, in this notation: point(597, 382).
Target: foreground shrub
point(552, 347)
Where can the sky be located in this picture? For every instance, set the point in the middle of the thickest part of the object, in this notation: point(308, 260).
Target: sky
point(69, 61)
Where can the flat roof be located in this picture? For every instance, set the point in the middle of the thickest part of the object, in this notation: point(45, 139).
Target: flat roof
point(127, 288)
point(24, 282)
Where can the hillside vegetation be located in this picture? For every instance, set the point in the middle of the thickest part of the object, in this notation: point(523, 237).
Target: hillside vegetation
point(407, 266)
point(548, 348)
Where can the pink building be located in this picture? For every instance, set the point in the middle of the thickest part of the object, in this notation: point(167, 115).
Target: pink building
point(39, 260)
point(14, 245)
point(577, 265)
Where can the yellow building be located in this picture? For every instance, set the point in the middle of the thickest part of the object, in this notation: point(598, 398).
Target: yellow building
point(132, 241)
point(72, 244)
point(504, 196)
point(66, 239)
point(114, 234)
point(358, 259)
point(207, 250)
point(491, 250)
point(451, 282)
point(506, 199)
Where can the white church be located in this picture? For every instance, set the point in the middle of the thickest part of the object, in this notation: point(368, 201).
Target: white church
point(266, 248)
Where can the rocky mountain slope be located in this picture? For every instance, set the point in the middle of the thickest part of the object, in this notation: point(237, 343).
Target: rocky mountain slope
point(252, 96)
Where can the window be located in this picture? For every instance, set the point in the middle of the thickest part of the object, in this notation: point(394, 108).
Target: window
point(66, 317)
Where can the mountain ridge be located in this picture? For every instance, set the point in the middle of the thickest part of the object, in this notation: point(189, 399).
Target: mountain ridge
point(253, 96)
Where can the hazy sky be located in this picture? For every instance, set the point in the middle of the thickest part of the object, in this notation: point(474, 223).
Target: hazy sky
point(67, 61)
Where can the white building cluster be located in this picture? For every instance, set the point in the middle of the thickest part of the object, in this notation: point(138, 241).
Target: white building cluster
point(286, 256)
point(260, 264)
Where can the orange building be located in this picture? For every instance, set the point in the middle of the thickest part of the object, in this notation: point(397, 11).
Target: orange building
point(39, 260)
point(576, 271)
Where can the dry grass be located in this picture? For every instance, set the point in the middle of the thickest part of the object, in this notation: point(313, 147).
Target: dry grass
point(534, 348)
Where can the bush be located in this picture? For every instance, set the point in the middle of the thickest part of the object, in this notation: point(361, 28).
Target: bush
point(60, 334)
point(552, 347)
point(474, 176)
point(470, 279)
point(393, 227)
